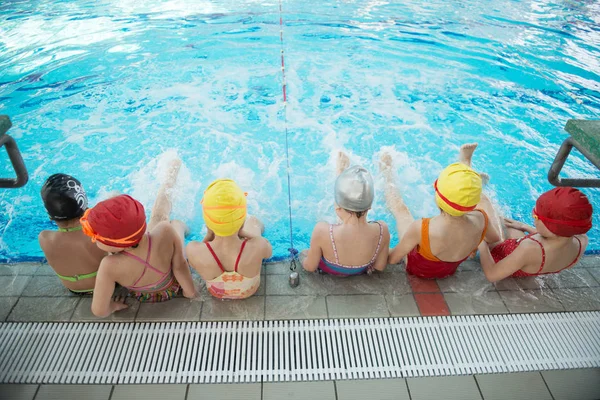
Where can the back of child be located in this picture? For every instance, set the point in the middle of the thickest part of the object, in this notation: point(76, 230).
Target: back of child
point(562, 217)
point(231, 262)
point(68, 250)
point(355, 246)
point(150, 264)
point(435, 247)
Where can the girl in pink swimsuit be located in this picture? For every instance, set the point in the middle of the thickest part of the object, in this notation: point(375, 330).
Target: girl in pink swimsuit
point(562, 217)
point(355, 246)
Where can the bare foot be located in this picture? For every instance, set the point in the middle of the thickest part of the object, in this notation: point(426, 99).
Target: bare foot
point(485, 178)
point(172, 172)
point(385, 162)
point(466, 153)
point(343, 162)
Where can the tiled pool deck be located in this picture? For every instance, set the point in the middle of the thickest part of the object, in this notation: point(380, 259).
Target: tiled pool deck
point(33, 293)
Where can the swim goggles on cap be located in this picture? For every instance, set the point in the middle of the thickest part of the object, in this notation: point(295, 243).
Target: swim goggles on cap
point(89, 231)
point(457, 207)
point(581, 223)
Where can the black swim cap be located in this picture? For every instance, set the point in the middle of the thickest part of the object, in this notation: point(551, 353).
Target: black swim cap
point(64, 197)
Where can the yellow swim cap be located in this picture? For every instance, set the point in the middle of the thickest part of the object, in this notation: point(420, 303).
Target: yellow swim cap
point(224, 207)
point(458, 189)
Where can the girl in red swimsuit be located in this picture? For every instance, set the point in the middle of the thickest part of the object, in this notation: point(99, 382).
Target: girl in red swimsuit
point(562, 217)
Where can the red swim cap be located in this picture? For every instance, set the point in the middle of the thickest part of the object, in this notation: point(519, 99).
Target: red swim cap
point(119, 221)
point(565, 211)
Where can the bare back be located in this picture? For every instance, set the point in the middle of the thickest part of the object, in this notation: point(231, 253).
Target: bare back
point(71, 254)
point(558, 256)
point(128, 270)
point(250, 263)
point(355, 244)
point(455, 238)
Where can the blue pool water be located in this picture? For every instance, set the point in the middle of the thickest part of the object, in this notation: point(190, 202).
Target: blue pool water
point(109, 90)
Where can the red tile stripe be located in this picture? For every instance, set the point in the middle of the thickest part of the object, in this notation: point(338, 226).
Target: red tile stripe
point(428, 297)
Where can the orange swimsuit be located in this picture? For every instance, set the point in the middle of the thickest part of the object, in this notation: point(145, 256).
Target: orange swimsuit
point(422, 263)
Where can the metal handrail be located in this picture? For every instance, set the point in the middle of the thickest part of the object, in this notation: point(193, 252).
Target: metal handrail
point(561, 158)
point(15, 157)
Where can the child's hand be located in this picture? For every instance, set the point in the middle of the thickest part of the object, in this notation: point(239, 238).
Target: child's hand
point(511, 223)
point(118, 304)
point(191, 295)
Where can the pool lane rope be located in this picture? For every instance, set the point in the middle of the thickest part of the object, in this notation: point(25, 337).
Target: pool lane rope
point(292, 250)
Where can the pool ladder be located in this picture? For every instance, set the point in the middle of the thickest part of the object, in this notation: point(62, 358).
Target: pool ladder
point(15, 157)
point(585, 137)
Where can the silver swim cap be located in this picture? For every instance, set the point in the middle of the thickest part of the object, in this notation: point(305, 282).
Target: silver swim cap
point(354, 189)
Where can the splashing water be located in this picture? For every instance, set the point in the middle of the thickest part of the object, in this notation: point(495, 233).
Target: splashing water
point(110, 90)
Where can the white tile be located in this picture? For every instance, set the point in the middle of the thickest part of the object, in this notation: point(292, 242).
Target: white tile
point(357, 306)
point(74, 392)
point(447, 388)
point(252, 308)
point(149, 392)
point(517, 386)
point(376, 389)
point(299, 391)
point(574, 384)
point(225, 392)
point(295, 307)
point(52, 309)
point(17, 392)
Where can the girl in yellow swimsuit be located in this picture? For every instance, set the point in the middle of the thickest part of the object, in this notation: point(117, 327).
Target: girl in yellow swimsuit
point(231, 257)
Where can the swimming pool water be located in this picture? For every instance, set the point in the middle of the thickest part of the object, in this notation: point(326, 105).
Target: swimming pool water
point(108, 90)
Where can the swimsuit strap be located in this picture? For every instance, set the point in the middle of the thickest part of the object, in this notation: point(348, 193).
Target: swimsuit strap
point(145, 262)
point(378, 243)
point(425, 245)
point(337, 260)
point(485, 227)
point(75, 229)
point(578, 254)
point(530, 237)
point(237, 262)
point(215, 256)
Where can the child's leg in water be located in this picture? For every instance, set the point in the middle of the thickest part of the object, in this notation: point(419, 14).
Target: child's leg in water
point(162, 206)
point(496, 227)
point(393, 199)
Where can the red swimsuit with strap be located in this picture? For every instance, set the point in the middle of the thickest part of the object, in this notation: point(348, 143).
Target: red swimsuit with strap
point(422, 263)
point(506, 248)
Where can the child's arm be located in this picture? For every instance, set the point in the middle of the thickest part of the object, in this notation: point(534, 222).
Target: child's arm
point(314, 253)
point(384, 251)
point(409, 241)
point(506, 267)
point(520, 226)
point(102, 302)
point(181, 270)
point(267, 249)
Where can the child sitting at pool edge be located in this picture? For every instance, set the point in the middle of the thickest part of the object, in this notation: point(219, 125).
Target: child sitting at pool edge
point(147, 260)
point(562, 217)
point(356, 245)
point(72, 256)
point(230, 260)
point(455, 234)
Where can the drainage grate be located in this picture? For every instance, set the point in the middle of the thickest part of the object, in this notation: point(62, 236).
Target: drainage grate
point(254, 351)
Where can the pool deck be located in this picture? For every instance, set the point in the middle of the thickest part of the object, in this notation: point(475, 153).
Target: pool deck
point(34, 293)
